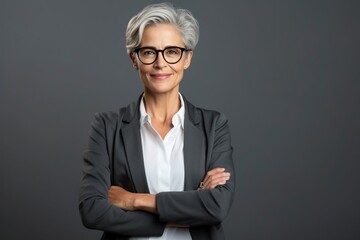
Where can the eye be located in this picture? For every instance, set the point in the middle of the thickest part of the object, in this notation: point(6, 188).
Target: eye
point(172, 51)
point(147, 52)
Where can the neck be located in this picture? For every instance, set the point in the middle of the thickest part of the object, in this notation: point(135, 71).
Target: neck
point(162, 107)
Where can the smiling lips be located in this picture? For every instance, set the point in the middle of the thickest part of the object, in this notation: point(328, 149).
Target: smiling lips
point(160, 76)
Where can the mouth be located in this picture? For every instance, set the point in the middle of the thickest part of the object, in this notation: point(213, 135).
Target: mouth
point(160, 76)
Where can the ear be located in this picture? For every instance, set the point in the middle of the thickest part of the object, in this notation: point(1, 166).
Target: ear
point(187, 61)
point(133, 60)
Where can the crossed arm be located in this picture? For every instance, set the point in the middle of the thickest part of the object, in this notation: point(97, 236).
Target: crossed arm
point(115, 210)
point(129, 201)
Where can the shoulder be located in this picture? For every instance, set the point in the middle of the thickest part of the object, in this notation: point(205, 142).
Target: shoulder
point(214, 125)
point(114, 117)
point(110, 120)
point(108, 117)
point(207, 116)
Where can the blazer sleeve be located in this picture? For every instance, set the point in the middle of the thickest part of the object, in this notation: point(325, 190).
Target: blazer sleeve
point(206, 206)
point(95, 209)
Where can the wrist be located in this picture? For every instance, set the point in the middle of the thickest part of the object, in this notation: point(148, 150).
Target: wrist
point(145, 202)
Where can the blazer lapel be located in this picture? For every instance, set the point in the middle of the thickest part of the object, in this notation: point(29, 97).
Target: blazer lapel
point(194, 149)
point(132, 142)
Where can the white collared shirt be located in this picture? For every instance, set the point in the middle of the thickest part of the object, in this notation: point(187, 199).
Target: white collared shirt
point(164, 162)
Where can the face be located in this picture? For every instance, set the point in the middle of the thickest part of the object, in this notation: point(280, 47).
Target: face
point(162, 77)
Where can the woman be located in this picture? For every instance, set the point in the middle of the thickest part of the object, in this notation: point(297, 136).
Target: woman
point(159, 168)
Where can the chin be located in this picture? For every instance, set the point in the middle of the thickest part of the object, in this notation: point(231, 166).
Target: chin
point(162, 90)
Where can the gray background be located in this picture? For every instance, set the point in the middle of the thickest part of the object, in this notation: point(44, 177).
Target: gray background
point(286, 74)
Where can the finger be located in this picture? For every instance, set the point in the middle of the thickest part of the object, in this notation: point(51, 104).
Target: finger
point(213, 172)
point(220, 180)
point(216, 177)
point(114, 188)
point(112, 193)
point(216, 184)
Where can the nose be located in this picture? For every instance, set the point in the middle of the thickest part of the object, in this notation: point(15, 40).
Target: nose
point(160, 61)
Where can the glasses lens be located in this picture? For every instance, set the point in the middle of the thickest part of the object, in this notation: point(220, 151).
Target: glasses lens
point(147, 55)
point(172, 55)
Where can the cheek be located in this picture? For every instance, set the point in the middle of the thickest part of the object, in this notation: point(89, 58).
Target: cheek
point(143, 70)
point(179, 68)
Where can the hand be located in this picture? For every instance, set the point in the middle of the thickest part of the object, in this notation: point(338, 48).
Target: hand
point(121, 198)
point(214, 178)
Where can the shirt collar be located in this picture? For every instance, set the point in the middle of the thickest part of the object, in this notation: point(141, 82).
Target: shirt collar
point(178, 118)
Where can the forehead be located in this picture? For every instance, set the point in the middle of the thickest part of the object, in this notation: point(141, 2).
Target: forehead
point(161, 35)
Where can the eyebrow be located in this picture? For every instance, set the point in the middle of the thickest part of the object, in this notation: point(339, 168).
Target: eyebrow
point(170, 46)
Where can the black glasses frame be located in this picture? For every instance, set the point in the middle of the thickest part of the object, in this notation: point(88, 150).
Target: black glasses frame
point(162, 53)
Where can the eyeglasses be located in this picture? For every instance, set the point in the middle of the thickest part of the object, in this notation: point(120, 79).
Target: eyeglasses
point(148, 55)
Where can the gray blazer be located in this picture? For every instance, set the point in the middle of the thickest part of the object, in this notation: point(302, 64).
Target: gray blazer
point(114, 157)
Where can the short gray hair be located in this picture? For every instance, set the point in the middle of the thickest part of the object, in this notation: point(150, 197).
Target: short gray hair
point(160, 13)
